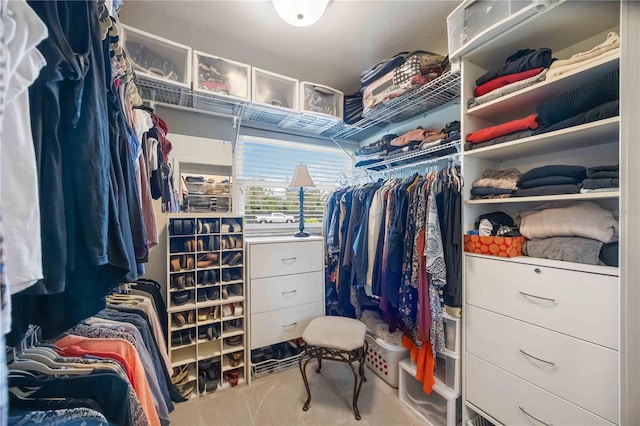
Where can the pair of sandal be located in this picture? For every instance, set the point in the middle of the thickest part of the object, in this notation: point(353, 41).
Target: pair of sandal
point(232, 309)
point(182, 338)
point(209, 293)
point(231, 226)
point(210, 332)
point(235, 359)
point(211, 276)
point(208, 376)
point(231, 290)
point(232, 274)
point(210, 313)
point(181, 227)
point(179, 319)
point(182, 262)
point(180, 297)
point(208, 227)
point(177, 245)
point(206, 260)
point(232, 377)
point(234, 323)
point(231, 242)
point(182, 281)
point(233, 340)
point(232, 259)
point(180, 379)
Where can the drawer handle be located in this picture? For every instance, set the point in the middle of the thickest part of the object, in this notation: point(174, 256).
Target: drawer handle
point(537, 270)
point(539, 359)
point(534, 418)
point(293, 324)
point(289, 292)
point(537, 297)
point(289, 260)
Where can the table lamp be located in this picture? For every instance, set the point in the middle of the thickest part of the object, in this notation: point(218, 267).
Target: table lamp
point(301, 179)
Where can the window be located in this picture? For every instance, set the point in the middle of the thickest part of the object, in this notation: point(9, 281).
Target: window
point(264, 168)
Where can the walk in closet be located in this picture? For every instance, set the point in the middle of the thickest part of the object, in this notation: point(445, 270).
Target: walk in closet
point(472, 197)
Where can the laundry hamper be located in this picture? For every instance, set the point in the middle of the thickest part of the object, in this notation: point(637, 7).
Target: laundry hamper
point(385, 348)
point(384, 359)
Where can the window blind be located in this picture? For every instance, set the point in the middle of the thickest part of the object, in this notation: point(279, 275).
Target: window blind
point(264, 168)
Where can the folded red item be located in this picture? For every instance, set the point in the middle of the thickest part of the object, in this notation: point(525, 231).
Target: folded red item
point(489, 133)
point(499, 82)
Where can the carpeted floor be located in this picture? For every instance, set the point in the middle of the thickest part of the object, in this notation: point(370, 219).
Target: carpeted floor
point(277, 400)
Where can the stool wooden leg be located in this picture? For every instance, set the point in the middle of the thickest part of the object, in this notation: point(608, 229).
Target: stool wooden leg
point(303, 371)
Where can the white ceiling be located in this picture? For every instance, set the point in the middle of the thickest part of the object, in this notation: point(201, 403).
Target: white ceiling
point(349, 38)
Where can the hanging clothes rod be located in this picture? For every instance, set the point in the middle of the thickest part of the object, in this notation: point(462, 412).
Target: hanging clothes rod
point(403, 167)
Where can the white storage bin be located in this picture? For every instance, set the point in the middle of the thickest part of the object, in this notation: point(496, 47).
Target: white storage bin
point(448, 371)
point(452, 333)
point(442, 407)
point(274, 90)
point(158, 58)
point(212, 74)
point(384, 359)
point(476, 21)
point(318, 99)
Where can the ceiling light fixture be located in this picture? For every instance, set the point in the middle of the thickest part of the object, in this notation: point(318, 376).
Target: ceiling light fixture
point(300, 13)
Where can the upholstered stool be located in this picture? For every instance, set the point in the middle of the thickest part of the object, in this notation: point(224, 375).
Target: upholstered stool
point(335, 339)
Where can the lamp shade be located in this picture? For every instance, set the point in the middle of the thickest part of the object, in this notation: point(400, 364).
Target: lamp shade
point(301, 178)
point(300, 13)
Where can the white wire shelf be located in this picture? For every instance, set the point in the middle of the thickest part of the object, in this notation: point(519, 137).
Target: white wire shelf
point(436, 153)
point(437, 93)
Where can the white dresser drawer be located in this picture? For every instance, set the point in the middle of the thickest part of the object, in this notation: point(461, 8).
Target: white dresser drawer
point(268, 294)
point(282, 325)
point(507, 397)
point(274, 259)
point(579, 304)
point(583, 373)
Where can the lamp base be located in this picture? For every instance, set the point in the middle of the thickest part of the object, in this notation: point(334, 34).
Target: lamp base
point(302, 234)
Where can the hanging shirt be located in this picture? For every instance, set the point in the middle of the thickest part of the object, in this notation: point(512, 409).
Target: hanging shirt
point(18, 173)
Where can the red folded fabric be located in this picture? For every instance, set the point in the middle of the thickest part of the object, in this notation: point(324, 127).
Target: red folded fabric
point(497, 83)
point(489, 133)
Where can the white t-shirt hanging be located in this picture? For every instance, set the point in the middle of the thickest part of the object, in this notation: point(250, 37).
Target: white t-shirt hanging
point(18, 173)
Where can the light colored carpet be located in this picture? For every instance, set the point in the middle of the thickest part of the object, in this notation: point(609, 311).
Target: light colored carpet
point(277, 399)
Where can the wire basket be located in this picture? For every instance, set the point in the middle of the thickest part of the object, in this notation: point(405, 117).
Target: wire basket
point(269, 366)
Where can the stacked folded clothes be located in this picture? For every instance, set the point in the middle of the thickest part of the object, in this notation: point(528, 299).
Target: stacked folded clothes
point(504, 132)
point(495, 184)
point(551, 180)
point(393, 146)
point(583, 233)
point(608, 48)
point(601, 179)
point(497, 224)
point(595, 100)
point(352, 107)
point(522, 69)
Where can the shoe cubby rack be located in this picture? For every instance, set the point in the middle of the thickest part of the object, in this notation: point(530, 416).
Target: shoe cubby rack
point(437, 93)
point(206, 302)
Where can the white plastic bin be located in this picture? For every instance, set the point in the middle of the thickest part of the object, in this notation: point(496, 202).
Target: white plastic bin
point(441, 407)
point(384, 358)
point(476, 21)
point(452, 339)
point(274, 90)
point(447, 371)
point(319, 99)
point(224, 77)
point(157, 58)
